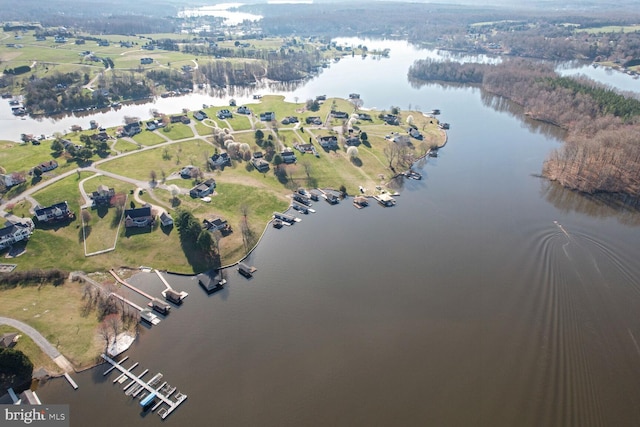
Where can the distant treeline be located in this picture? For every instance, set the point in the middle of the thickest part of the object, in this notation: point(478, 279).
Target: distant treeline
point(601, 151)
point(32, 277)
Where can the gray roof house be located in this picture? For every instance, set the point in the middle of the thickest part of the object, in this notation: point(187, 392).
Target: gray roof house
point(138, 217)
point(203, 189)
point(14, 232)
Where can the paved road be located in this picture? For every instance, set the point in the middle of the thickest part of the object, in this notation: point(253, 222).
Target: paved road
point(41, 341)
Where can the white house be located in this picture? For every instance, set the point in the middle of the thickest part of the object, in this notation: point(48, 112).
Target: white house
point(14, 232)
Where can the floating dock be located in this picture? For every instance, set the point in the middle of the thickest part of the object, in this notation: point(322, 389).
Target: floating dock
point(288, 219)
point(151, 395)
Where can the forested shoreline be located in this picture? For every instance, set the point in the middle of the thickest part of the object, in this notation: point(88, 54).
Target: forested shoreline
point(600, 153)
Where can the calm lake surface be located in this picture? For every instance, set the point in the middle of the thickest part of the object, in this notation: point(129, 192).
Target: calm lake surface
point(486, 297)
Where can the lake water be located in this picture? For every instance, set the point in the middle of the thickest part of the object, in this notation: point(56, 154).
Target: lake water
point(486, 297)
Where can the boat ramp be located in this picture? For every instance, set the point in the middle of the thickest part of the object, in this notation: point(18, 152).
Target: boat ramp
point(152, 394)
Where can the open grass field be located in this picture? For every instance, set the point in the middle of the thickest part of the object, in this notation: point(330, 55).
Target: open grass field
point(610, 29)
point(55, 312)
point(33, 352)
point(148, 138)
point(176, 131)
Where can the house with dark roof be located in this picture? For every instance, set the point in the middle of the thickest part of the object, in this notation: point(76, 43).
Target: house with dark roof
point(352, 141)
point(203, 189)
point(103, 195)
point(14, 232)
point(165, 219)
point(391, 119)
point(54, 213)
point(243, 110)
point(215, 223)
point(339, 115)
point(267, 116)
point(288, 156)
point(220, 160)
point(224, 114)
point(313, 120)
point(138, 217)
point(259, 162)
point(9, 339)
point(329, 142)
point(131, 129)
point(48, 165)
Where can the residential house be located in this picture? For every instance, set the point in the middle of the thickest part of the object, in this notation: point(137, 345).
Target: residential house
point(401, 139)
point(267, 116)
point(189, 172)
point(220, 160)
point(352, 141)
point(321, 98)
point(288, 156)
point(203, 189)
point(339, 115)
point(216, 223)
point(290, 120)
point(329, 142)
point(364, 116)
point(103, 42)
point(12, 179)
point(415, 133)
point(176, 119)
point(259, 162)
point(224, 114)
point(103, 195)
point(99, 137)
point(152, 125)
point(131, 129)
point(243, 110)
point(9, 339)
point(354, 96)
point(138, 217)
point(14, 232)
point(54, 213)
point(165, 219)
point(304, 148)
point(145, 61)
point(200, 115)
point(391, 119)
point(313, 120)
point(48, 165)
point(185, 120)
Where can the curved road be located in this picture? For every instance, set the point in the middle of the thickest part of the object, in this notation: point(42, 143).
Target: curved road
point(41, 341)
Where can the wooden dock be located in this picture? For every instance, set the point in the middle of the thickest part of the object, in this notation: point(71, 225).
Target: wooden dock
point(133, 288)
point(137, 386)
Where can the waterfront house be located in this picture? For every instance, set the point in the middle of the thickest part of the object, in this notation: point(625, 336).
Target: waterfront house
point(103, 195)
point(331, 198)
point(321, 98)
point(9, 339)
point(267, 116)
point(339, 115)
point(391, 119)
point(200, 115)
point(220, 160)
point(152, 125)
point(131, 129)
point(364, 116)
point(415, 133)
point(224, 114)
point(138, 217)
point(243, 110)
point(401, 139)
point(329, 142)
point(54, 213)
point(166, 220)
point(203, 189)
point(360, 201)
point(216, 223)
point(14, 232)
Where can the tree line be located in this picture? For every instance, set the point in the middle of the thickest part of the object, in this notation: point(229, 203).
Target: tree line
point(600, 154)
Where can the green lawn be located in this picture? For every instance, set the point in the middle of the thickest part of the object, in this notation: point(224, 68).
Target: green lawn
point(177, 131)
point(148, 138)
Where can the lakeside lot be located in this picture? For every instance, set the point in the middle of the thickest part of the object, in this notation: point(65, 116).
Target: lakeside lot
point(241, 192)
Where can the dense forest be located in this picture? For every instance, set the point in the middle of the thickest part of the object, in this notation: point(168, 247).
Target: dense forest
point(601, 151)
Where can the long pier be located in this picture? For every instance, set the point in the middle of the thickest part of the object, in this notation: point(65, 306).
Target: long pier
point(162, 393)
point(133, 288)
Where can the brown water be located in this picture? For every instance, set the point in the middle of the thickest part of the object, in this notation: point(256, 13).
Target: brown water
point(486, 297)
